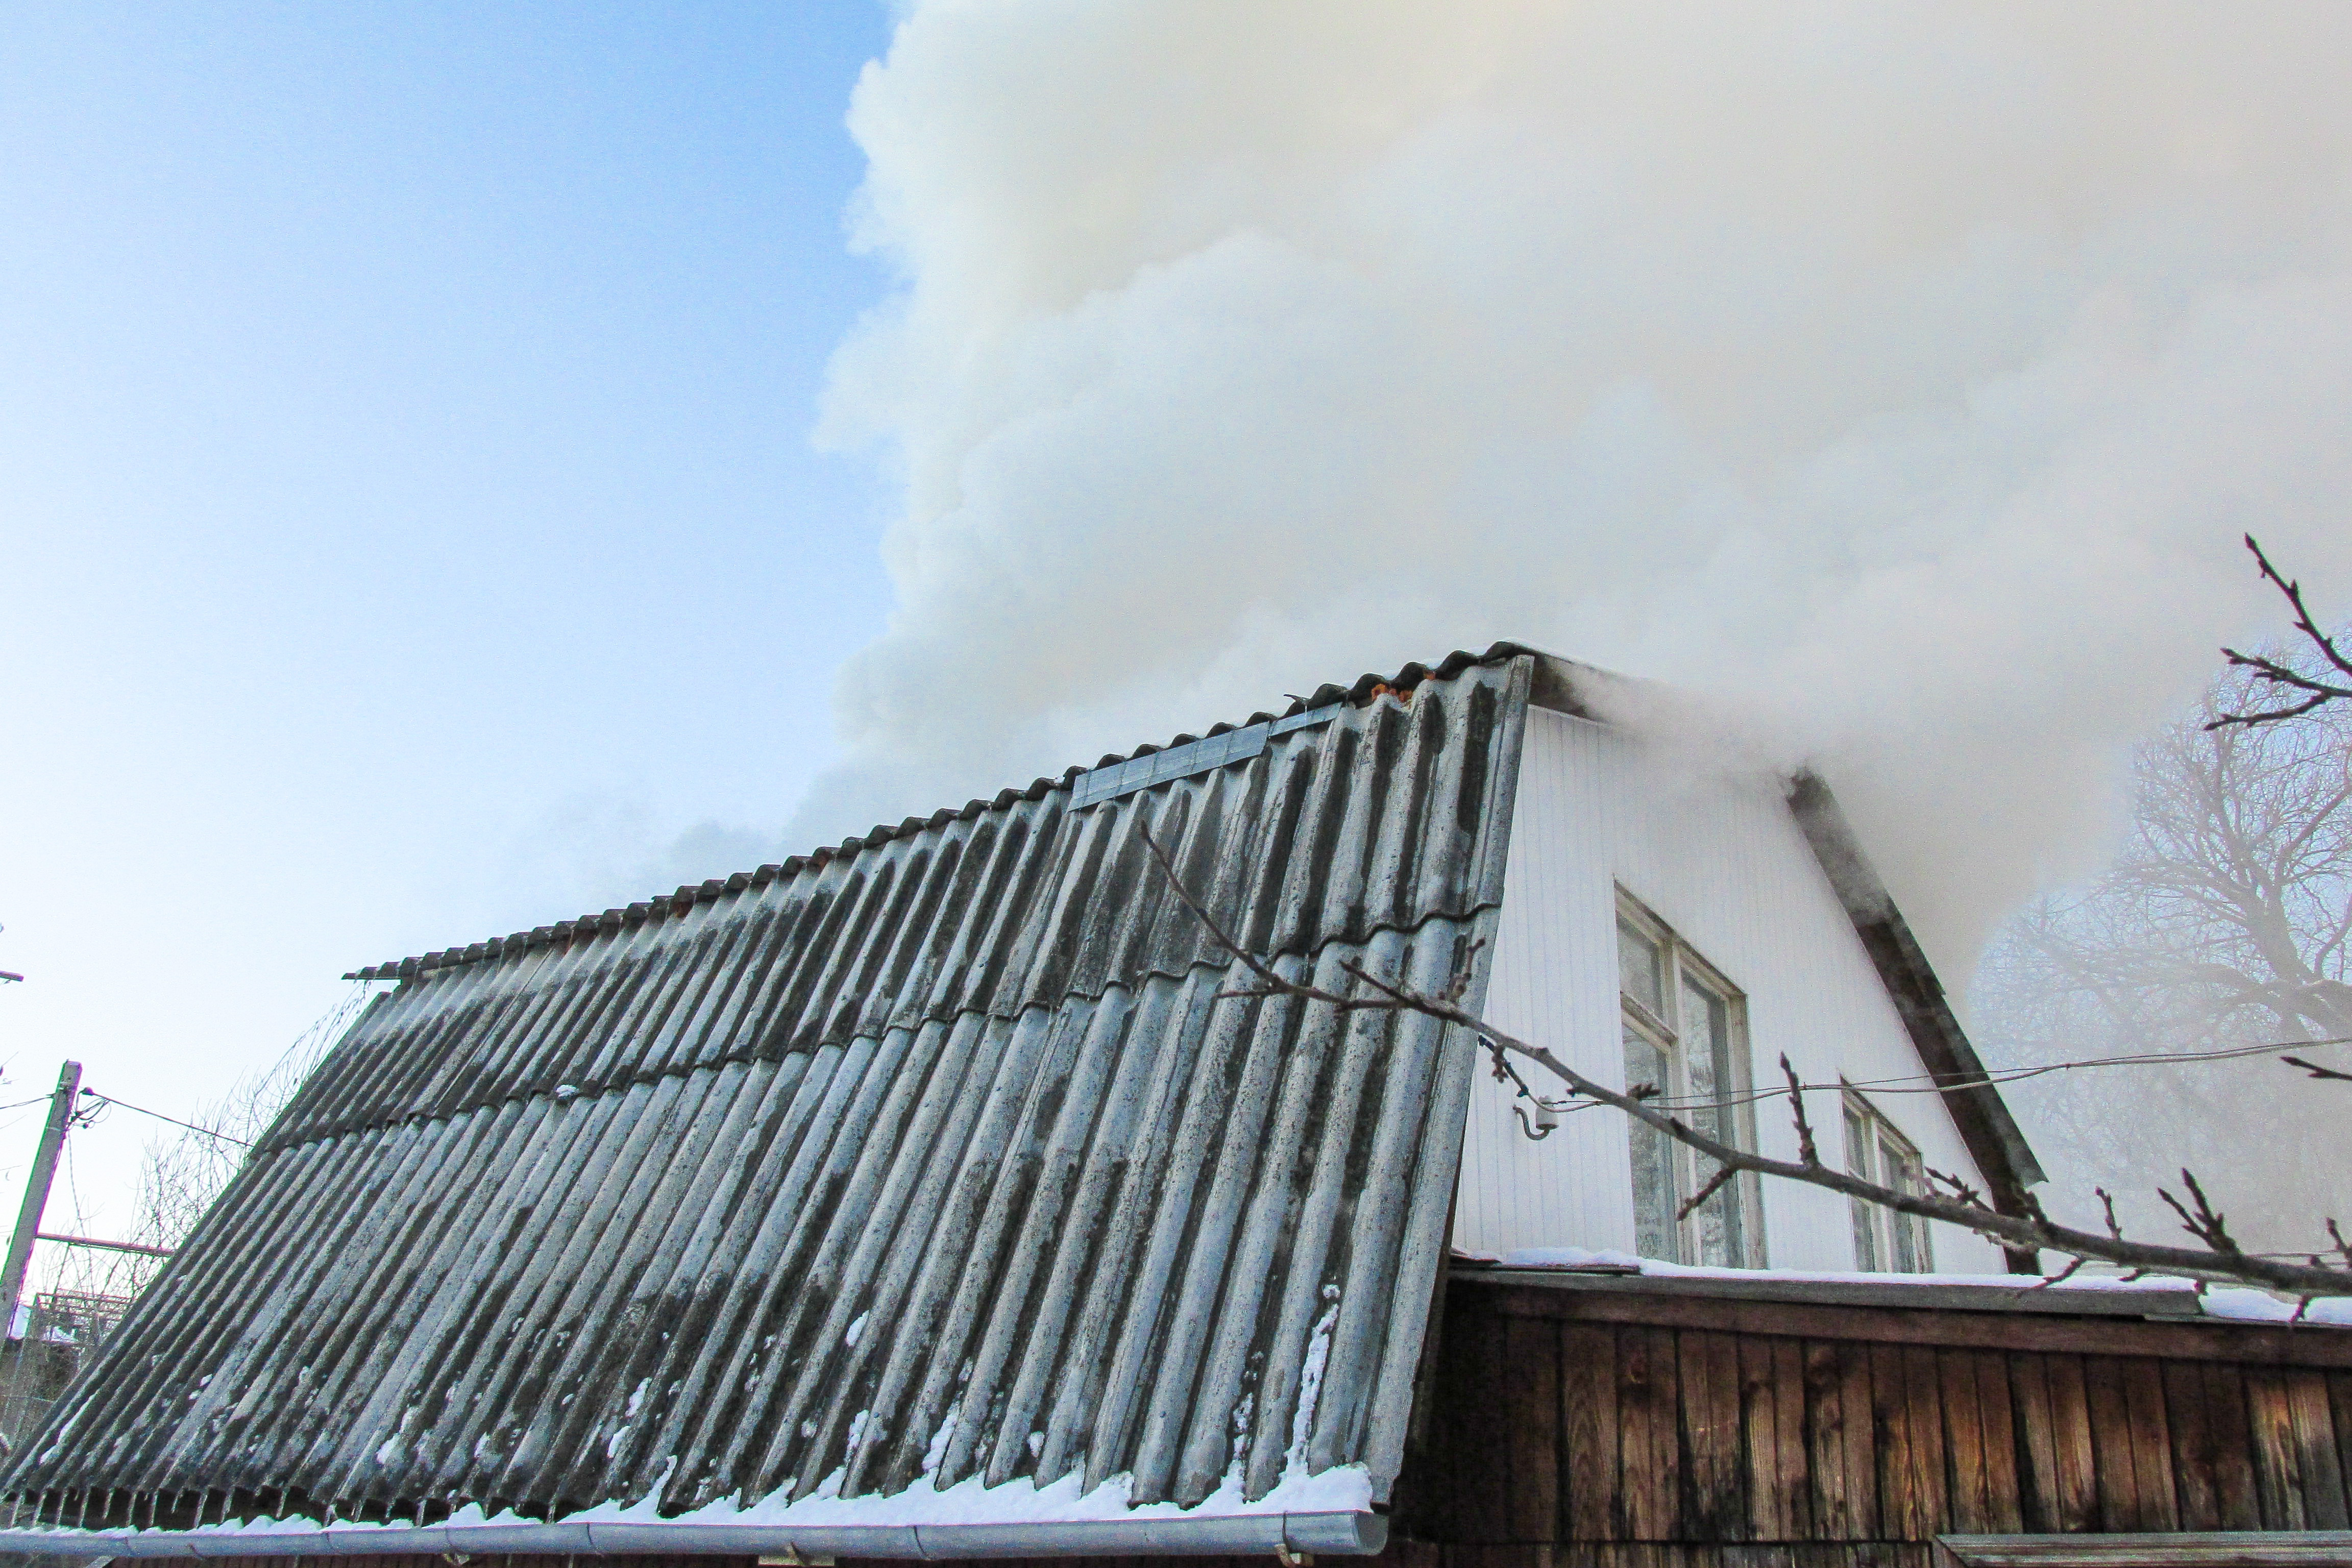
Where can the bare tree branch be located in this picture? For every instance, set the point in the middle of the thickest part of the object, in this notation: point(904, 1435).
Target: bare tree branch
point(2218, 1259)
point(1697, 1200)
point(2319, 691)
point(2218, 926)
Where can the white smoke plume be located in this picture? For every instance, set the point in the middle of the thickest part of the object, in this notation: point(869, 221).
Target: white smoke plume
point(1904, 373)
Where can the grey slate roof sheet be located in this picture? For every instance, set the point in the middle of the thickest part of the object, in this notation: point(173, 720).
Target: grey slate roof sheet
point(940, 1152)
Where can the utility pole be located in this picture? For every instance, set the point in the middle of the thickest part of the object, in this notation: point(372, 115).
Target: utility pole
point(36, 1194)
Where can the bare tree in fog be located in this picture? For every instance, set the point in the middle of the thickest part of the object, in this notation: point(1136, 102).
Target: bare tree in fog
point(181, 1171)
point(2222, 922)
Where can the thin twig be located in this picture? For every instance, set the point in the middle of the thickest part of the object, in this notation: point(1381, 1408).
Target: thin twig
point(1806, 1150)
point(2265, 668)
point(1714, 1184)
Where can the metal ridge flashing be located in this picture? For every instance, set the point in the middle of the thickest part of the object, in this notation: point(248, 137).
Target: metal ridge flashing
point(1188, 757)
point(1345, 1534)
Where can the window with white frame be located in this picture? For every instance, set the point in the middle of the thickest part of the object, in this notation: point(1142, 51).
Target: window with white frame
point(1885, 1241)
point(1686, 1030)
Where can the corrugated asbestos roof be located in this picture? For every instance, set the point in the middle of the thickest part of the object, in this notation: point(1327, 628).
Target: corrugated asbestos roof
point(938, 1154)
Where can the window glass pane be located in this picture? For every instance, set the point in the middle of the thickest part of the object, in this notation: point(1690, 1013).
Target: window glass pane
point(1860, 1145)
point(1707, 1045)
point(1866, 1235)
point(1657, 1193)
point(1860, 1142)
point(1905, 1176)
point(1638, 969)
point(1916, 1237)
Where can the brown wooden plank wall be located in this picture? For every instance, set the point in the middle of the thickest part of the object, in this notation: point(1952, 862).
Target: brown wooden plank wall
point(1565, 1429)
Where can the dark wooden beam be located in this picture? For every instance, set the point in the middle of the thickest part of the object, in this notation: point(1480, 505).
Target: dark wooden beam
point(2234, 1549)
point(2202, 1339)
point(1982, 1118)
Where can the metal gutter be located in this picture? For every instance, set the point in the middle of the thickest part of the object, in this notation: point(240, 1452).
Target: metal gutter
point(1347, 1534)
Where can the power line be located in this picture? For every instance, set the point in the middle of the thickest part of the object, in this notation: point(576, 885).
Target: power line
point(207, 1132)
point(324, 1030)
point(1927, 1083)
point(2135, 1058)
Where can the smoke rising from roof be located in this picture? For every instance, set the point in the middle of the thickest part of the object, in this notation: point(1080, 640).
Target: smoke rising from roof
point(1903, 374)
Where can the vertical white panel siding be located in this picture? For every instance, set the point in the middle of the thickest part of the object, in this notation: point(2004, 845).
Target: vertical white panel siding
point(1721, 860)
point(1554, 981)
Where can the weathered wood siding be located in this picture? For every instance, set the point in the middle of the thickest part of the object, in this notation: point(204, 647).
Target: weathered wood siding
point(1563, 1416)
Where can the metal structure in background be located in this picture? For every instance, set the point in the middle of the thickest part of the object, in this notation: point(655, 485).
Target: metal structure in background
point(62, 1330)
point(936, 1157)
point(39, 1356)
point(36, 1194)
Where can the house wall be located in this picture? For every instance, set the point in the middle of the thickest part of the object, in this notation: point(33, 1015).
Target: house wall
point(1578, 1420)
point(1720, 859)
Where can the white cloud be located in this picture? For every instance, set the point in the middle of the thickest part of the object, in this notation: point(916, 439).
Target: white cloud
point(1847, 360)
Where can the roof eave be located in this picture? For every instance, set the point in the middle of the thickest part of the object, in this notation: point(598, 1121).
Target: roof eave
point(1339, 1533)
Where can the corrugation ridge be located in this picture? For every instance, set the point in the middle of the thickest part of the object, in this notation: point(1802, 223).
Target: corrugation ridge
point(763, 1275)
point(635, 1373)
point(331, 1351)
point(718, 1295)
point(295, 1347)
point(1108, 1189)
point(639, 1234)
point(503, 1263)
point(939, 1097)
point(998, 1257)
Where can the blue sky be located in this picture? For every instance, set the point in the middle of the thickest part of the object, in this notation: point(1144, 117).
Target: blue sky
point(410, 526)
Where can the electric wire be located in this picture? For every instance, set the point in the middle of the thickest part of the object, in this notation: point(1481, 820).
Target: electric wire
point(1927, 1083)
point(207, 1132)
point(328, 1026)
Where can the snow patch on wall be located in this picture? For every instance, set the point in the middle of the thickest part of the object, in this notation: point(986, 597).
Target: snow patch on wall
point(2219, 1302)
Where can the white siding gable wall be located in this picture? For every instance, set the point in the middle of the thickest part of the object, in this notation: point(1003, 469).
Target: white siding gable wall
point(1722, 861)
